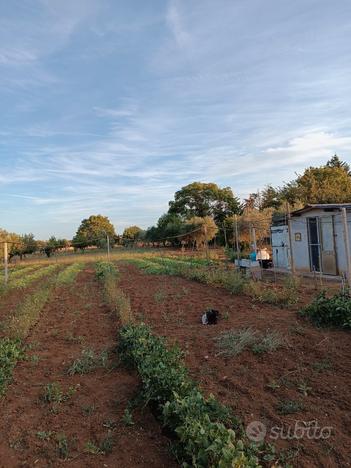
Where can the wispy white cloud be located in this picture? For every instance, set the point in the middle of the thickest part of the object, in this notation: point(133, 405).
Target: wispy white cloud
point(108, 110)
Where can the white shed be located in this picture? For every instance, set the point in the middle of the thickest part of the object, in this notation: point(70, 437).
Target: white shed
point(317, 239)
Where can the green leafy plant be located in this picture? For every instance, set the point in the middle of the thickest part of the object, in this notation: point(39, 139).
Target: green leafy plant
point(290, 407)
point(11, 351)
point(332, 311)
point(53, 393)
point(199, 423)
point(62, 446)
point(127, 418)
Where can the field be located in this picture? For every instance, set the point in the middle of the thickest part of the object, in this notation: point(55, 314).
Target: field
point(69, 396)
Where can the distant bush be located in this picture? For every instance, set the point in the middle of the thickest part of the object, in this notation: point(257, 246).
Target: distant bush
point(330, 311)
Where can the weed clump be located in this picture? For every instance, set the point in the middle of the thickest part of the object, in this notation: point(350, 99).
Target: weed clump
point(88, 362)
point(233, 342)
point(332, 311)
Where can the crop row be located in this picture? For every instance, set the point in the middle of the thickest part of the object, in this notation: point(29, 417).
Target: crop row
point(117, 301)
point(17, 325)
point(198, 423)
point(214, 275)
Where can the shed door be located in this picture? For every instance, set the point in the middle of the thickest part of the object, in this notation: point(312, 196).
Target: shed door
point(314, 243)
point(328, 245)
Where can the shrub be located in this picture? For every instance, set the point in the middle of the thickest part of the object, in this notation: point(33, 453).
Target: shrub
point(103, 269)
point(198, 423)
point(329, 311)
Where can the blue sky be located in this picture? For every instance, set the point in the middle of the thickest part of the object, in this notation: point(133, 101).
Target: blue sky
point(111, 106)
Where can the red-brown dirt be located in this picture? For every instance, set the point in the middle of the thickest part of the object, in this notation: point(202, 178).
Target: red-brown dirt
point(254, 385)
point(33, 432)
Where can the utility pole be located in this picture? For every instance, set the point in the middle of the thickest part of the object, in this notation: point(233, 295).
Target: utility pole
point(292, 263)
point(6, 277)
point(108, 247)
point(347, 245)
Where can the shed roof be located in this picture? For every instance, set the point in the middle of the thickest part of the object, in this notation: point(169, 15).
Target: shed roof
point(322, 206)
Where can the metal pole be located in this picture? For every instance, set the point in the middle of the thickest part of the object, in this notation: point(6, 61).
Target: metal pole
point(254, 239)
point(108, 247)
point(292, 263)
point(237, 237)
point(206, 243)
point(347, 245)
point(6, 263)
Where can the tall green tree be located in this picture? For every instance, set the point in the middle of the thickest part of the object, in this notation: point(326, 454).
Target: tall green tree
point(204, 199)
point(93, 231)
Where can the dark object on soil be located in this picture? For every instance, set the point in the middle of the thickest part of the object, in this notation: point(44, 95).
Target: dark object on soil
point(210, 317)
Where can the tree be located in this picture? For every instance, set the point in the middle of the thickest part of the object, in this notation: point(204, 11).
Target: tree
point(169, 226)
point(201, 230)
point(93, 231)
point(324, 185)
point(51, 246)
point(330, 183)
point(335, 161)
point(204, 199)
point(25, 245)
point(270, 198)
point(132, 233)
point(12, 238)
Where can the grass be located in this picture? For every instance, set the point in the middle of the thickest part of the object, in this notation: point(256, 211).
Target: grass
point(25, 280)
point(233, 342)
point(88, 362)
point(69, 274)
point(321, 366)
point(27, 313)
point(117, 301)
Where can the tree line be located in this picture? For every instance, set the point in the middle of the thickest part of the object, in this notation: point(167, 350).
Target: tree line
point(201, 212)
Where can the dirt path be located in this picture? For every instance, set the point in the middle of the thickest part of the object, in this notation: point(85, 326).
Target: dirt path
point(36, 433)
point(312, 369)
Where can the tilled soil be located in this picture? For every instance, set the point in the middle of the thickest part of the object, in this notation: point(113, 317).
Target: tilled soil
point(34, 432)
point(312, 370)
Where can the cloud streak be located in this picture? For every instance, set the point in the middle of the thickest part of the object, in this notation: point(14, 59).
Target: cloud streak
point(110, 111)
